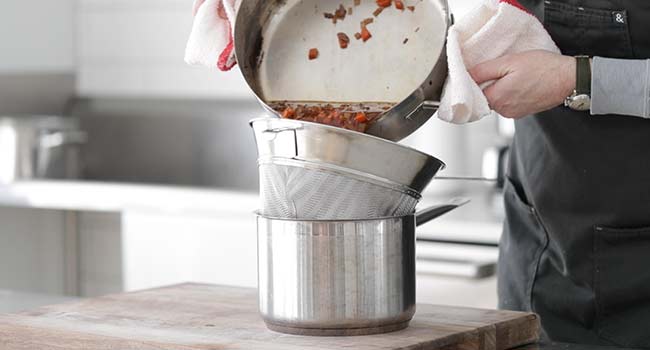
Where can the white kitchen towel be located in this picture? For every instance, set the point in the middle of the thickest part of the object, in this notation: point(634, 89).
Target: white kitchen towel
point(493, 29)
point(211, 43)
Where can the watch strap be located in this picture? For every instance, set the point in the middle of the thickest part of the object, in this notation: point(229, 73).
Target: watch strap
point(583, 75)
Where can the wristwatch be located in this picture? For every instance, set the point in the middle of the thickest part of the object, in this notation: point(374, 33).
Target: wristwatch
point(580, 99)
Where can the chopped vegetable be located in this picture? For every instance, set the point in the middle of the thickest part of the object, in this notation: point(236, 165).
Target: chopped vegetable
point(328, 15)
point(357, 36)
point(365, 34)
point(357, 2)
point(405, 41)
point(412, 8)
point(366, 21)
point(313, 54)
point(399, 5)
point(349, 117)
point(344, 40)
point(378, 11)
point(384, 3)
point(288, 113)
point(361, 118)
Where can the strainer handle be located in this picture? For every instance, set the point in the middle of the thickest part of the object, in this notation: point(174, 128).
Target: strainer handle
point(425, 215)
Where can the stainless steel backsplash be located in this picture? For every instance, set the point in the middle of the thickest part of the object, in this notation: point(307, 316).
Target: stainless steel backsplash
point(35, 93)
point(202, 143)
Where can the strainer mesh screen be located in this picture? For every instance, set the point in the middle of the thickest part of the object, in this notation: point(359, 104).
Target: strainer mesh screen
point(296, 192)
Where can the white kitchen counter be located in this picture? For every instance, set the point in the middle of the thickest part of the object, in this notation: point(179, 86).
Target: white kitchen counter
point(113, 197)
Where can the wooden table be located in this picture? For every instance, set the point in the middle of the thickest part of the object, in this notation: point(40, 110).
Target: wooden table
point(208, 317)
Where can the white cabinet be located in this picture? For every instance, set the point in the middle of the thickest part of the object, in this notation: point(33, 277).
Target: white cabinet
point(57, 252)
point(32, 250)
point(163, 249)
point(441, 290)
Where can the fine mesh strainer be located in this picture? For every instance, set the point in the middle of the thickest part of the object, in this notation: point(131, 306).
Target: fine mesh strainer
point(294, 189)
point(312, 171)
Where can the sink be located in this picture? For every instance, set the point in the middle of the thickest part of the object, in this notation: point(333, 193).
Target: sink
point(199, 143)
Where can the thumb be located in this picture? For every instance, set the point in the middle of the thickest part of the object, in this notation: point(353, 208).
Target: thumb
point(489, 70)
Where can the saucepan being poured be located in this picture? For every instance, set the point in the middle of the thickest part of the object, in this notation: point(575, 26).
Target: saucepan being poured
point(374, 66)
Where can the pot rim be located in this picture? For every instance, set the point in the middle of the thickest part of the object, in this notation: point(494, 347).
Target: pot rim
point(347, 132)
point(259, 215)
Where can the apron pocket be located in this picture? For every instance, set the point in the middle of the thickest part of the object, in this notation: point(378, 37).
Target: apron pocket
point(622, 285)
point(579, 30)
point(522, 243)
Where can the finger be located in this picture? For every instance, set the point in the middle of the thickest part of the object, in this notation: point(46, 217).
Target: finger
point(495, 96)
point(196, 6)
point(491, 94)
point(489, 70)
point(499, 101)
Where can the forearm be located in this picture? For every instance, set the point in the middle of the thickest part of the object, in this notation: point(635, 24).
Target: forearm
point(620, 87)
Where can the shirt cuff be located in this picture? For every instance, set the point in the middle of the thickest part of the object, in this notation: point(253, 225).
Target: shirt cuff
point(620, 86)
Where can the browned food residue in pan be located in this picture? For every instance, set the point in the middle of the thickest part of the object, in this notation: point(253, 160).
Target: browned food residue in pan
point(340, 12)
point(344, 40)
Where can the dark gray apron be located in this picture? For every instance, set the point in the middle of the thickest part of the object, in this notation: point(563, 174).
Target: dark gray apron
point(576, 243)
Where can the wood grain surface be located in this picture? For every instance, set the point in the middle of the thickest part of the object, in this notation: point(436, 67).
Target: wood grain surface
point(208, 317)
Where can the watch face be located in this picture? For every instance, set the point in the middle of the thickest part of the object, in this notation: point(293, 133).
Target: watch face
point(580, 103)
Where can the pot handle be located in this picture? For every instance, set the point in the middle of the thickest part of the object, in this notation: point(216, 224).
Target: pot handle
point(425, 215)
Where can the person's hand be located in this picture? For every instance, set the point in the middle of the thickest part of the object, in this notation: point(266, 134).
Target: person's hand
point(527, 82)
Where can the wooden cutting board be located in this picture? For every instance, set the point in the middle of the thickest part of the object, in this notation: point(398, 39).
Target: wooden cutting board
point(208, 317)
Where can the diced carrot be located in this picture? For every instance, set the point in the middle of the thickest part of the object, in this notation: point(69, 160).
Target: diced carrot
point(361, 117)
point(399, 5)
point(288, 113)
point(384, 3)
point(313, 54)
point(365, 34)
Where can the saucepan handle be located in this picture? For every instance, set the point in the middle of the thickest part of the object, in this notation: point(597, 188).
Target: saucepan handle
point(430, 213)
point(430, 105)
point(424, 105)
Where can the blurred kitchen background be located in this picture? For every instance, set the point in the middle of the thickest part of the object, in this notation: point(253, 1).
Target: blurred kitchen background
point(121, 168)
